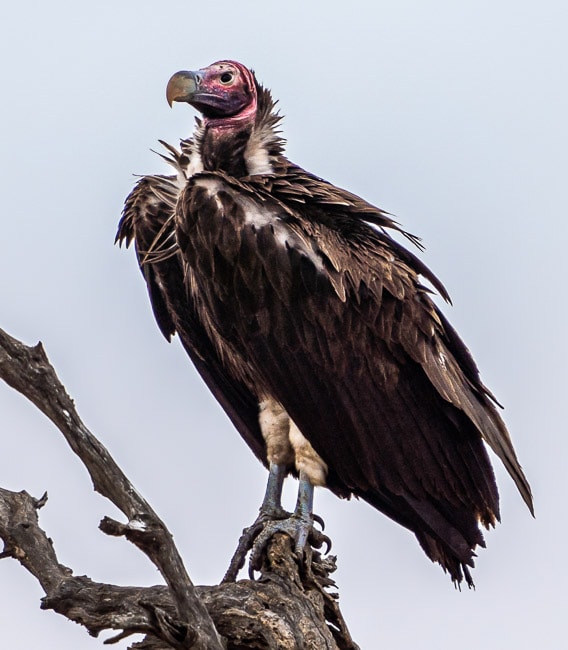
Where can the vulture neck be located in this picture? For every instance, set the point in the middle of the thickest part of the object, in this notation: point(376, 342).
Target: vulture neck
point(243, 146)
point(223, 147)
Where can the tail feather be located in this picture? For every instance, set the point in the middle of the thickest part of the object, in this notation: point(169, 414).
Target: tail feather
point(437, 552)
point(447, 533)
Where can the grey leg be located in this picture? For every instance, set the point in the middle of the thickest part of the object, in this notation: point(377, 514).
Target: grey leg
point(271, 507)
point(304, 512)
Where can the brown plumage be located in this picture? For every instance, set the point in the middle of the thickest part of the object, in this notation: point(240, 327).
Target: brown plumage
point(282, 286)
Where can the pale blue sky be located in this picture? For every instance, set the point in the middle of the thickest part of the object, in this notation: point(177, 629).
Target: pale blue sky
point(450, 115)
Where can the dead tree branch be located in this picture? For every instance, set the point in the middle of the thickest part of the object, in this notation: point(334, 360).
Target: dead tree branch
point(286, 608)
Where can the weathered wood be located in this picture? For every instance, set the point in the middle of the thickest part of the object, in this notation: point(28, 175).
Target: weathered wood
point(288, 607)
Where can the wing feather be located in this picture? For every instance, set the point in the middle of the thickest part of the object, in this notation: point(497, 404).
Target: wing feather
point(148, 222)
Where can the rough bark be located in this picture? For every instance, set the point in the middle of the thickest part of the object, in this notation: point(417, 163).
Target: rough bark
point(289, 606)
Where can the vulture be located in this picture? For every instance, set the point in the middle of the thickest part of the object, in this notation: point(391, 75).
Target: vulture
point(311, 325)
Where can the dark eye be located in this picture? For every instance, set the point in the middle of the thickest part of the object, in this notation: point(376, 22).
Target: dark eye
point(226, 77)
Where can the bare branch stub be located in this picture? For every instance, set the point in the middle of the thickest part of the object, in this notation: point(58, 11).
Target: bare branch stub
point(77, 597)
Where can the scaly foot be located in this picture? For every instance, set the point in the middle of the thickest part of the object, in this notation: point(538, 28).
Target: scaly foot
point(274, 519)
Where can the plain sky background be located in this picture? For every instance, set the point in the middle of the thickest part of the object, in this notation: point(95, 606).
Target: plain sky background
point(451, 115)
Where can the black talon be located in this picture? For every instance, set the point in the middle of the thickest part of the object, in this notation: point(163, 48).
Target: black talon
point(319, 520)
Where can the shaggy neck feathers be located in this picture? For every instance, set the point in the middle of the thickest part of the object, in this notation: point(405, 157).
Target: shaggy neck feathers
point(243, 146)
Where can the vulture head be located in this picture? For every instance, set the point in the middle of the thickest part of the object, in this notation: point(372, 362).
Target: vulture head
point(222, 92)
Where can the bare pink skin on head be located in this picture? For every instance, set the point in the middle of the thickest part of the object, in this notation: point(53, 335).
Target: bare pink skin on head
point(226, 95)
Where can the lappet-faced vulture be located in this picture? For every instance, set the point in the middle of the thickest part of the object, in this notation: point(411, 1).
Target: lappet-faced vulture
point(311, 326)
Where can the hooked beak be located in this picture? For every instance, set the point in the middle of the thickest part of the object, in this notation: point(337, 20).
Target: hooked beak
point(182, 86)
